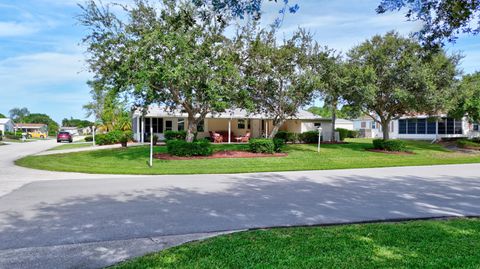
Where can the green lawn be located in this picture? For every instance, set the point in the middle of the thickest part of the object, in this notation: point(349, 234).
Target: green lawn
point(72, 146)
point(416, 244)
point(133, 160)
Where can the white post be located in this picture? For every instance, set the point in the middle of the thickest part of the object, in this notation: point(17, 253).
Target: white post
point(319, 138)
point(151, 145)
point(142, 135)
point(229, 130)
point(93, 134)
point(138, 129)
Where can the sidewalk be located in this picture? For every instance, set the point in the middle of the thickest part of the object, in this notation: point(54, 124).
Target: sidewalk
point(50, 152)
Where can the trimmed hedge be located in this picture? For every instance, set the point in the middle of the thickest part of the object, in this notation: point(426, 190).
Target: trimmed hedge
point(470, 144)
point(175, 135)
point(278, 144)
point(183, 148)
point(88, 138)
point(389, 145)
point(309, 137)
point(342, 133)
point(109, 138)
point(287, 136)
point(261, 146)
point(353, 134)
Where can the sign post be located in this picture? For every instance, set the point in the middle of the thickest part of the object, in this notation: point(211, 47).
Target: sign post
point(151, 146)
point(93, 135)
point(319, 138)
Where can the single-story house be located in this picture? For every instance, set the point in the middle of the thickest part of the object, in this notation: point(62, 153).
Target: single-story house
point(344, 124)
point(70, 130)
point(6, 125)
point(419, 127)
point(235, 121)
point(31, 127)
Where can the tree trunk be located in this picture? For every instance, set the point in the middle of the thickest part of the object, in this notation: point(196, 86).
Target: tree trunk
point(386, 129)
point(275, 128)
point(191, 130)
point(334, 118)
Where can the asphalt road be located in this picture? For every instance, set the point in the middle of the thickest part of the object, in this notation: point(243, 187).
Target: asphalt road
point(90, 221)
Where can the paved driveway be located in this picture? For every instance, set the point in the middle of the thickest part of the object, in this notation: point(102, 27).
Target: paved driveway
point(94, 221)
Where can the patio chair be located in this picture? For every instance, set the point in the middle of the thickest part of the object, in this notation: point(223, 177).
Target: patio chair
point(216, 137)
point(243, 138)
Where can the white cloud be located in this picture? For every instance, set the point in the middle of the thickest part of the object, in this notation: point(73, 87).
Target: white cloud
point(11, 29)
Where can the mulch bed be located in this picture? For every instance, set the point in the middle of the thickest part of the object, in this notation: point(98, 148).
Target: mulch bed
point(391, 152)
point(219, 155)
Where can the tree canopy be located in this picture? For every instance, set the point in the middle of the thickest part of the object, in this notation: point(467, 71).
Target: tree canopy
point(2, 116)
point(392, 76)
point(442, 19)
point(467, 98)
point(175, 55)
point(17, 114)
point(76, 123)
point(280, 78)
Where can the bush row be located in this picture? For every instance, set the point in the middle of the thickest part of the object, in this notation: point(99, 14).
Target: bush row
point(175, 135)
point(113, 137)
point(389, 145)
point(345, 133)
point(186, 149)
point(266, 145)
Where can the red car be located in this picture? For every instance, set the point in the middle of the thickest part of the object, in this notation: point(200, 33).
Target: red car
point(64, 136)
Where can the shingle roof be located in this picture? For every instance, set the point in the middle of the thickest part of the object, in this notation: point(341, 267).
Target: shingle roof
point(156, 111)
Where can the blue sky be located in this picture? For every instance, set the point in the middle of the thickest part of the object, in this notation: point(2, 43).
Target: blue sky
point(42, 63)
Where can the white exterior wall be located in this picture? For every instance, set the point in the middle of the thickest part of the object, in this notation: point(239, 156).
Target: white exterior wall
point(7, 127)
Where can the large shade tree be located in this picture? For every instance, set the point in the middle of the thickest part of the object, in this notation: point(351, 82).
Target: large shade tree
point(392, 76)
point(441, 19)
point(279, 76)
point(467, 98)
point(173, 53)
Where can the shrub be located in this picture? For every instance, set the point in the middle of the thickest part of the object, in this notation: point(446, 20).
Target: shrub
point(175, 135)
point(101, 139)
point(309, 137)
point(278, 144)
point(126, 136)
point(342, 133)
point(88, 138)
point(114, 136)
point(465, 143)
point(261, 146)
point(353, 134)
point(389, 145)
point(184, 149)
point(286, 136)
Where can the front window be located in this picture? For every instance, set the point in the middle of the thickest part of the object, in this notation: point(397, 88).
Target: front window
point(475, 127)
point(168, 125)
point(363, 125)
point(241, 124)
point(201, 126)
point(181, 124)
point(374, 125)
point(317, 124)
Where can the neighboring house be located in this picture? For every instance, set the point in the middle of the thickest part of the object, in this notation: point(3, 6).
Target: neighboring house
point(238, 121)
point(419, 127)
point(344, 124)
point(367, 127)
point(85, 130)
point(32, 127)
point(6, 125)
point(70, 130)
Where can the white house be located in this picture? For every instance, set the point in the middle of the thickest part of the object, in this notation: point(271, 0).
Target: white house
point(70, 130)
point(419, 127)
point(344, 124)
point(236, 121)
point(6, 125)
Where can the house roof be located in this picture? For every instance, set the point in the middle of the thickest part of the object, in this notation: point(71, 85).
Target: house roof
point(69, 128)
point(156, 111)
point(4, 120)
point(30, 125)
point(343, 121)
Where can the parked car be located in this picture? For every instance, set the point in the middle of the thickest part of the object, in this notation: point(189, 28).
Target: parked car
point(40, 135)
point(64, 136)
